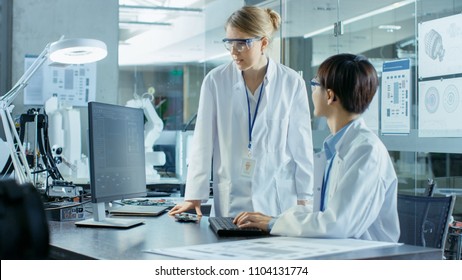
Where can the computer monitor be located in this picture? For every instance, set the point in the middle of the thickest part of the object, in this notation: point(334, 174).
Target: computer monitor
point(117, 160)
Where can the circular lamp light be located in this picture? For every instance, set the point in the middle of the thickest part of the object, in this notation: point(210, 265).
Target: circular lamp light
point(77, 51)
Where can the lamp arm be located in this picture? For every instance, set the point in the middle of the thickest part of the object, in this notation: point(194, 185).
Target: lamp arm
point(18, 158)
point(8, 98)
point(17, 152)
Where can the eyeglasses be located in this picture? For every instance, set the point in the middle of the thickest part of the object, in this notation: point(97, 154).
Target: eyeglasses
point(314, 83)
point(239, 45)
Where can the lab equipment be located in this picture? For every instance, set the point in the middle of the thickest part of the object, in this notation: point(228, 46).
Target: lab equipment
point(187, 218)
point(63, 51)
point(47, 178)
point(64, 134)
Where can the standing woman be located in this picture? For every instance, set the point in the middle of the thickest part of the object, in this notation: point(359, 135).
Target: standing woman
point(253, 128)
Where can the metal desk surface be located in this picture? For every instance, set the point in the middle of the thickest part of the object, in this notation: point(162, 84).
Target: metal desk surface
point(71, 242)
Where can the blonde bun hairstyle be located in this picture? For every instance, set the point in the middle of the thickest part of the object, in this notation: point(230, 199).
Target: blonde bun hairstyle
point(255, 21)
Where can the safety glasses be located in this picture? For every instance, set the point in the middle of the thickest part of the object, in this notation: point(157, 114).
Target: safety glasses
point(314, 83)
point(239, 45)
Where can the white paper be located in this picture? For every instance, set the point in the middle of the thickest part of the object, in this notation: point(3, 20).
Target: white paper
point(440, 42)
point(440, 108)
point(271, 248)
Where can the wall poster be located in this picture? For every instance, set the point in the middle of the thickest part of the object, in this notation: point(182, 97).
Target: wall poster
point(440, 77)
point(395, 97)
point(74, 84)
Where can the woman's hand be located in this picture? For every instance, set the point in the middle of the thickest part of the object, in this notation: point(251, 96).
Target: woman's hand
point(303, 202)
point(187, 205)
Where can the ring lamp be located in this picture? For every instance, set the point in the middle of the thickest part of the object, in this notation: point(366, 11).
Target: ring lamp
point(77, 51)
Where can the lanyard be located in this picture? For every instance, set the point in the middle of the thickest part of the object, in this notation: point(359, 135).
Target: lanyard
point(252, 122)
point(324, 184)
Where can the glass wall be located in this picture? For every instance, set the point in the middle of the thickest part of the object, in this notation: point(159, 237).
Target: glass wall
point(385, 31)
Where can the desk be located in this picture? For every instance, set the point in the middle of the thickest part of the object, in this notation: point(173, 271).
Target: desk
point(71, 242)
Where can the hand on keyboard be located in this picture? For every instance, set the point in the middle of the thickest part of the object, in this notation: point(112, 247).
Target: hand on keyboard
point(253, 220)
point(224, 226)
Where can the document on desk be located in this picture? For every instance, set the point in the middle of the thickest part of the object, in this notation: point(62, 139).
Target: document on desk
point(282, 248)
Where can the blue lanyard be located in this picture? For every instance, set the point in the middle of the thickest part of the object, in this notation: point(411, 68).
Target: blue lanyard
point(324, 184)
point(252, 122)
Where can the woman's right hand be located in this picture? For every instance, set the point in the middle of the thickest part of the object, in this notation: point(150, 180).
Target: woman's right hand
point(185, 206)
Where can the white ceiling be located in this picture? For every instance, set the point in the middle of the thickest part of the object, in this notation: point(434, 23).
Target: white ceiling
point(186, 31)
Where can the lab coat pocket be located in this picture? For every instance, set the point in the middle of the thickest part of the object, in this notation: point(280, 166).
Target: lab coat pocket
point(277, 134)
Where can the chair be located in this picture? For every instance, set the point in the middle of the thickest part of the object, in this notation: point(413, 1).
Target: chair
point(24, 232)
point(424, 220)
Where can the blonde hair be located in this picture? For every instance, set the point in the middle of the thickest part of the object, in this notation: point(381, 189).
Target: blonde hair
point(255, 21)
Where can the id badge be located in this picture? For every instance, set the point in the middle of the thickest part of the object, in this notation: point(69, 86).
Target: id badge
point(247, 167)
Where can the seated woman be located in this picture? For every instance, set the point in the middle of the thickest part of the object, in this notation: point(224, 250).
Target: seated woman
point(355, 194)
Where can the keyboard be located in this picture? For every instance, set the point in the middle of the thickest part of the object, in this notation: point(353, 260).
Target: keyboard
point(224, 226)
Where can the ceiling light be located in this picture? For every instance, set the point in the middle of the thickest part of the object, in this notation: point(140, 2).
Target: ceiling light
point(362, 16)
point(390, 28)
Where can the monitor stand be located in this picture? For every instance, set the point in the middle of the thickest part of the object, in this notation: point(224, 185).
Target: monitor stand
point(100, 219)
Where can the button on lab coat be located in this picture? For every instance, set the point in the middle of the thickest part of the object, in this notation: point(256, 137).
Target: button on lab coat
point(361, 197)
point(281, 143)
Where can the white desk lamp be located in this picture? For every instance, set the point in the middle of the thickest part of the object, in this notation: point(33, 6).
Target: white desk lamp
point(63, 51)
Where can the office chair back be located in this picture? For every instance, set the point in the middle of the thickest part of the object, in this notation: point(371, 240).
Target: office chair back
point(24, 232)
point(424, 220)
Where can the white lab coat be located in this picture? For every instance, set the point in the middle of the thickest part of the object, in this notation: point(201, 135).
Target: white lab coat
point(362, 193)
point(281, 143)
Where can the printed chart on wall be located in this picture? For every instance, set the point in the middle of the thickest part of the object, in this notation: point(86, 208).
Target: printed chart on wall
point(440, 77)
point(395, 111)
point(74, 85)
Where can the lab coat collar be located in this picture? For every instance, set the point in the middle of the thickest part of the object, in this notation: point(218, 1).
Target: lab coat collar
point(350, 133)
point(238, 80)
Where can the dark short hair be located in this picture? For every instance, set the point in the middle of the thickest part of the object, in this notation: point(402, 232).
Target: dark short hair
point(352, 78)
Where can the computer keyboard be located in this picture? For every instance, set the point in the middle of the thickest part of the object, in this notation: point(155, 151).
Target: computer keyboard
point(224, 226)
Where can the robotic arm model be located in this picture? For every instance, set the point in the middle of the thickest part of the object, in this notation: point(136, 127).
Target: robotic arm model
point(152, 129)
point(65, 138)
